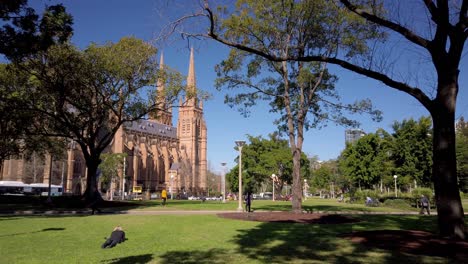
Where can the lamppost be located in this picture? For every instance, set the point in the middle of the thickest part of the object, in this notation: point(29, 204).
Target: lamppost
point(240, 144)
point(123, 177)
point(395, 177)
point(223, 172)
point(274, 178)
point(170, 190)
point(305, 189)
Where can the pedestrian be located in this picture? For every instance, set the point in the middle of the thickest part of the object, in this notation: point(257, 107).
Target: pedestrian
point(425, 205)
point(117, 236)
point(341, 199)
point(164, 197)
point(248, 201)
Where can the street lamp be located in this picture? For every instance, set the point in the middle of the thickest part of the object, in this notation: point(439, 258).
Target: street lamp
point(240, 144)
point(123, 177)
point(395, 177)
point(305, 189)
point(223, 172)
point(274, 178)
point(170, 190)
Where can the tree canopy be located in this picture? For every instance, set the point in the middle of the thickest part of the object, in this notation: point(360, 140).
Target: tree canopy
point(440, 38)
point(263, 157)
point(462, 154)
point(376, 157)
point(86, 96)
point(302, 93)
point(24, 33)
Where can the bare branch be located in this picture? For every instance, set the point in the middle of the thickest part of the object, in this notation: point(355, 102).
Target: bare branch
point(463, 18)
point(432, 9)
point(408, 34)
point(236, 82)
point(415, 92)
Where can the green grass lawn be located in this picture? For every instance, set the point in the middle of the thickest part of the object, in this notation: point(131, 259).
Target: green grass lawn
point(197, 239)
point(204, 238)
point(311, 204)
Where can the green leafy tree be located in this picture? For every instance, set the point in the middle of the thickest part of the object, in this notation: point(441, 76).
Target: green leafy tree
point(263, 157)
point(441, 38)
point(326, 178)
point(87, 95)
point(111, 165)
point(321, 178)
point(412, 151)
point(367, 163)
point(462, 154)
point(23, 33)
point(363, 161)
point(301, 93)
point(13, 124)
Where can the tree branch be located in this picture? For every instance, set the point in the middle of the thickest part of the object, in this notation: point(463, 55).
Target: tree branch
point(432, 9)
point(415, 92)
point(405, 32)
point(463, 17)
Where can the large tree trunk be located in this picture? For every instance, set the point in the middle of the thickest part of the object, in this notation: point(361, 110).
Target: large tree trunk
point(444, 169)
point(92, 193)
point(297, 183)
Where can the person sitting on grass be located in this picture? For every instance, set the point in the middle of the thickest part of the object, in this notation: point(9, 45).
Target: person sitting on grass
point(117, 236)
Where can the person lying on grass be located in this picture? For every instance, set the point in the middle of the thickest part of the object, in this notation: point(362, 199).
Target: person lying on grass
point(117, 236)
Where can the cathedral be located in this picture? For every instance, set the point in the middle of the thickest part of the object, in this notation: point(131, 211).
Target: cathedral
point(158, 154)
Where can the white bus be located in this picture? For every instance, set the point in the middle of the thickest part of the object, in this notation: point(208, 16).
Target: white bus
point(42, 189)
point(12, 187)
point(21, 188)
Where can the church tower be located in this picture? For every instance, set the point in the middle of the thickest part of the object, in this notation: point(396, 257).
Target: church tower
point(163, 113)
point(192, 133)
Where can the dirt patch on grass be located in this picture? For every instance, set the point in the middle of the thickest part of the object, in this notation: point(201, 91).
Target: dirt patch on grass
point(412, 242)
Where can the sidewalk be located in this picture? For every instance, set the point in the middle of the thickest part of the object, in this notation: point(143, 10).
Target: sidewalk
point(110, 211)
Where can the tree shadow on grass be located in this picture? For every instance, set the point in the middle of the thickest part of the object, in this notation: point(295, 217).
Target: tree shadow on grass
point(212, 256)
point(286, 206)
point(290, 242)
point(39, 231)
point(145, 258)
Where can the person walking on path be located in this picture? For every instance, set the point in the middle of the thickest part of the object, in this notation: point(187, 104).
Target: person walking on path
point(425, 205)
point(248, 201)
point(117, 236)
point(164, 197)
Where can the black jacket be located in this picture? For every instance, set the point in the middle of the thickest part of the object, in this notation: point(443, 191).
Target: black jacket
point(118, 235)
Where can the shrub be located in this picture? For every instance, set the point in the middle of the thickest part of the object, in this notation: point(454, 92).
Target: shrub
point(397, 203)
point(428, 192)
point(360, 195)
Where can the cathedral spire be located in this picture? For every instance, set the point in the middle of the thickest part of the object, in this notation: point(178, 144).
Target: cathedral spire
point(191, 82)
point(163, 113)
point(161, 68)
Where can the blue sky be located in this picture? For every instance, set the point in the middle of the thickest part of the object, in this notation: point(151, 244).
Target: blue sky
point(101, 21)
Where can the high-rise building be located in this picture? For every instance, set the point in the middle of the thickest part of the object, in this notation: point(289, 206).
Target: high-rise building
point(353, 135)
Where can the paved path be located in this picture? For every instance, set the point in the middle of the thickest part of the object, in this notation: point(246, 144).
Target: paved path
point(179, 212)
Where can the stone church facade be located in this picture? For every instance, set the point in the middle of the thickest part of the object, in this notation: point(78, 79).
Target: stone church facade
point(158, 154)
